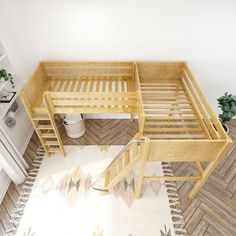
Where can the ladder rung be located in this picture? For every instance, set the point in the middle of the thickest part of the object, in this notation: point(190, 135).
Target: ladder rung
point(48, 135)
point(40, 118)
point(51, 143)
point(54, 150)
point(44, 127)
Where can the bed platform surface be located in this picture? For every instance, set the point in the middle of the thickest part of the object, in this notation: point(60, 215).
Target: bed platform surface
point(174, 117)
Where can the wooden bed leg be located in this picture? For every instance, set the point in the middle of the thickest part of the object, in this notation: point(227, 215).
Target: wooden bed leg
point(144, 158)
point(210, 168)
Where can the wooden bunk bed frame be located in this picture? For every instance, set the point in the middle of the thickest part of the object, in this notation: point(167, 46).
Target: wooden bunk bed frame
point(176, 123)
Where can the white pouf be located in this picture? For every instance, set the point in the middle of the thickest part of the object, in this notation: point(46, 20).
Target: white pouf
point(74, 125)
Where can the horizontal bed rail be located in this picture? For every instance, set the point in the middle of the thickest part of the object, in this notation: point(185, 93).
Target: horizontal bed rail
point(58, 69)
point(93, 103)
point(209, 118)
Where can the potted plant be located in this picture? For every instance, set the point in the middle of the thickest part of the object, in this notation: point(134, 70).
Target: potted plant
point(227, 103)
point(5, 76)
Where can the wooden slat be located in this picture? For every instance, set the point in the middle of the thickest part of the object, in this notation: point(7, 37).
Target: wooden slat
point(65, 89)
point(168, 112)
point(158, 102)
point(159, 83)
point(163, 89)
point(176, 136)
point(91, 87)
point(87, 64)
point(79, 86)
point(54, 85)
point(53, 142)
point(54, 149)
point(93, 95)
point(36, 118)
point(48, 135)
point(97, 86)
point(59, 88)
point(154, 99)
point(44, 127)
point(116, 86)
point(167, 129)
point(158, 107)
point(171, 123)
point(73, 83)
point(122, 85)
point(85, 86)
point(173, 178)
point(95, 110)
point(89, 71)
point(171, 118)
point(110, 86)
point(104, 86)
point(167, 93)
point(126, 158)
point(130, 102)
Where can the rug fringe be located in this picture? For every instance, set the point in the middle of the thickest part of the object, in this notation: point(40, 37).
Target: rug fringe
point(176, 213)
point(25, 193)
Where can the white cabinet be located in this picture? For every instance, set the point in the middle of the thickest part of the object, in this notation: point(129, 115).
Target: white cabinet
point(13, 140)
point(21, 133)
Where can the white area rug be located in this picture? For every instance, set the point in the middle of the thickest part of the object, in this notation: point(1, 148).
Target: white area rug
point(62, 204)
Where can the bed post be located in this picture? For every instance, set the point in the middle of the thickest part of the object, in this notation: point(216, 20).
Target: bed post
point(210, 168)
point(144, 157)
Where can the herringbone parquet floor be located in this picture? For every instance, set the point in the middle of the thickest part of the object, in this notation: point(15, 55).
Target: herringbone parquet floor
point(213, 210)
point(211, 213)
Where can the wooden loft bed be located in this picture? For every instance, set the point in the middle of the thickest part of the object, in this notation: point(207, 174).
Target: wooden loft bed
point(176, 122)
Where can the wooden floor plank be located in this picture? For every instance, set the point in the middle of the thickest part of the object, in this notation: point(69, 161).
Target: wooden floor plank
point(200, 229)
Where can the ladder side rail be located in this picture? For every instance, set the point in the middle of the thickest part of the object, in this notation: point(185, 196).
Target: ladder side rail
point(50, 109)
point(141, 113)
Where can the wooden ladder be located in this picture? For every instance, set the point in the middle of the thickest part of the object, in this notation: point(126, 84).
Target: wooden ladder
point(45, 127)
point(47, 132)
point(122, 164)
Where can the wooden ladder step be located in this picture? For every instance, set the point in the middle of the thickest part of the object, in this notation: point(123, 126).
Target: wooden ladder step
point(36, 118)
point(54, 150)
point(48, 143)
point(48, 135)
point(44, 127)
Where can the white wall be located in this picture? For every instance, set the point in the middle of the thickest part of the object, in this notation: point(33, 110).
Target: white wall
point(201, 32)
